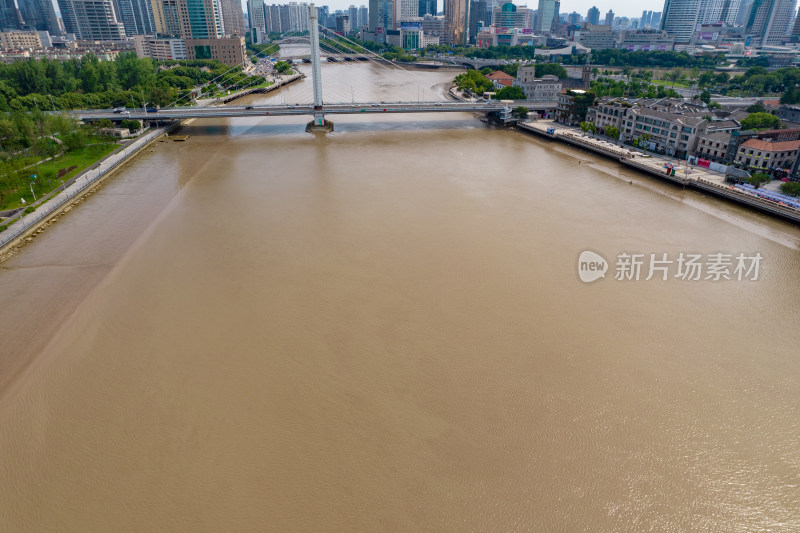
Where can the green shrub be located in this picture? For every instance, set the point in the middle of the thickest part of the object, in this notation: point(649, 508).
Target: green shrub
point(30, 209)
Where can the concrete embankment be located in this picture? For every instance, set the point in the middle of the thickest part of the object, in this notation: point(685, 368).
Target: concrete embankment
point(655, 167)
point(20, 231)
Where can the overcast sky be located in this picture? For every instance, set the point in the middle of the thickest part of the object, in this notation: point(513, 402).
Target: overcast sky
point(623, 8)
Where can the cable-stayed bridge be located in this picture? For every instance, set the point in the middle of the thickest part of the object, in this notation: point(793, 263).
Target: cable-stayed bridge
point(336, 47)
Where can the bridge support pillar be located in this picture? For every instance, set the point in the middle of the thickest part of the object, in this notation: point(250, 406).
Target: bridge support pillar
point(319, 124)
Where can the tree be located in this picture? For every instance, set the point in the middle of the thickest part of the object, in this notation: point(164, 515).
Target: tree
point(705, 97)
point(543, 69)
point(510, 93)
point(584, 126)
point(758, 107)
point(791, 188)
point(520, 112)
point(612, 132)
point(758, 179)
point(761, 121)
point(132, 125)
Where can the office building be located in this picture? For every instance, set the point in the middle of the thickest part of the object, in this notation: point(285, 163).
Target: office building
point(547, 17)
point(768, 21)
point(20, 40)
point(232, 17)
point(39, 15)
point(93, 20)
point(427, 7)
point(229, 50)
point(457, 19)
point(9, 16)
point(609, 21)
point(256, 14)
point(160, 48)
point(136, 16)
point(593, 16)
point(679, 19)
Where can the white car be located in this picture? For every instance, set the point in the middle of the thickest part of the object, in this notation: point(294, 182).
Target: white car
point(124, 112)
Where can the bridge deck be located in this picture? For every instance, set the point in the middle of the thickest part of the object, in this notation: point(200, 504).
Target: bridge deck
point(299, 109)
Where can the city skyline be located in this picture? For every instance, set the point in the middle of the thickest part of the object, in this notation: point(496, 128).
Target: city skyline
point(621, 9)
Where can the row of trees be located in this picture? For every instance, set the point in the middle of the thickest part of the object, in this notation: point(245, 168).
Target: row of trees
point(127, 81)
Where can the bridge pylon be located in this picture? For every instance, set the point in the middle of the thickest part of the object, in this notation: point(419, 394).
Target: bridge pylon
point(319, 124)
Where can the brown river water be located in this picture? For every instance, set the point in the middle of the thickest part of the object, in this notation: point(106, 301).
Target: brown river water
point(383, 329)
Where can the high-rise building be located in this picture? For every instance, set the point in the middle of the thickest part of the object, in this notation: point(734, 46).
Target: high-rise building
point(709, 12)
point(547, 16)
point(363, 16)
point(510, 16)
point(573, 18)
point(655, 19)
point(9, 16)
point(256, 15)
point(205, 19)
point(136, 16)
point(39, 15)
point(745, 7)
point(593, 16)
point(769, 20)
point(479, 16)
point(609, 21)
point(456, 15)
point(168, 18)
point(91, 19)
point(680, 18)
point(232, 17)
point(381, 14)
point(405, 10)
point(730, 8)
point(427, 7)
point(272, 19)
point(645, 19)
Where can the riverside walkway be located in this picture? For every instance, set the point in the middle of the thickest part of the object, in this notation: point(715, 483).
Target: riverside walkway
point(686, 175)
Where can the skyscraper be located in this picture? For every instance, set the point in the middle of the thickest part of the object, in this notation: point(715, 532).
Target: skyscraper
point(136, 16)
point(39, 15)
point(256, 16)
point(593, 16)
point(547, 16)
point(609, 18)
point(457, 19)
point(427, 7)
point(730, 8)
point(769, 20)
point(9, 16)
point(679, 19)
point(232, 17)
point(91, 19)
point(168, 18)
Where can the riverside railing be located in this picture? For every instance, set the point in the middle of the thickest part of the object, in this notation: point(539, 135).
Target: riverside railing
point(24, 222)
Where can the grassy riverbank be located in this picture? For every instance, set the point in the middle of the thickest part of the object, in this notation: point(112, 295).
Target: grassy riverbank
point(17, 181)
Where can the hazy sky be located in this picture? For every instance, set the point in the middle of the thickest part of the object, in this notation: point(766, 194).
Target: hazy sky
point(623, 8)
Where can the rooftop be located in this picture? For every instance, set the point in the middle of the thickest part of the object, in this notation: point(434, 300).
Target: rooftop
point(767, 145)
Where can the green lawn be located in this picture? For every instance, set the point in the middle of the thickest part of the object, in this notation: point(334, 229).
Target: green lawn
point(12, 190)
point(667, 83)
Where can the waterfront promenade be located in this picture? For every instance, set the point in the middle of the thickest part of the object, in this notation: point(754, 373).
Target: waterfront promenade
point(75, 190)
point(686, 174)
